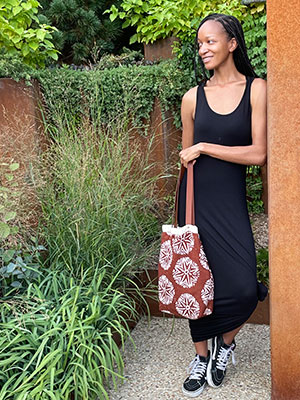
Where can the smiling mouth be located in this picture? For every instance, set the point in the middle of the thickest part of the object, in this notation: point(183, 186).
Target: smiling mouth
point(206, 59)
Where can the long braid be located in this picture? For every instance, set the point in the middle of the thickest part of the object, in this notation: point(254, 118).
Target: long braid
point(234, 29)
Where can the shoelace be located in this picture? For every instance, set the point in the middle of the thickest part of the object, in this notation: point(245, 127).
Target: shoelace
point(223, 357)
point(197, 368)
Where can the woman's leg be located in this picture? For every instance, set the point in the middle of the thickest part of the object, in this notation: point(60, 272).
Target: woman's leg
point(229, 336)
point(201, 348)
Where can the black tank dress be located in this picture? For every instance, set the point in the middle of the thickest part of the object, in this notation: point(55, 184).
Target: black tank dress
point(222, 218)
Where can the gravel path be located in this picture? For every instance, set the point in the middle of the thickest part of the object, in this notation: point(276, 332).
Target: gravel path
point(156, 370)
point(259, 223)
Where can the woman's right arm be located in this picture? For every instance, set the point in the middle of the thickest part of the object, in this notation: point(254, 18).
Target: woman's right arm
point(188, 106)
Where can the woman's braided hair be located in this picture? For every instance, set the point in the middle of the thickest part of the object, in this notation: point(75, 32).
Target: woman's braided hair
point(233, 28)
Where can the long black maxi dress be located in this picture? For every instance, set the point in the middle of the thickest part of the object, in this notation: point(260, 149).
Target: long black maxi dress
point(222, 218)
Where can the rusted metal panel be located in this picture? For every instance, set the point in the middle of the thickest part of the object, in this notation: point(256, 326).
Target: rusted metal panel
point(284, 195)
point(160, 49)
point(22, 136)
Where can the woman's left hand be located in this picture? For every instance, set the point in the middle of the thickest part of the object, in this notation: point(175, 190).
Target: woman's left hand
point(190, 153)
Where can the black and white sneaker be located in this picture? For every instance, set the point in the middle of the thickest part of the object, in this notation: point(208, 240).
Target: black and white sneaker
point(196, 381)
point(220, 354)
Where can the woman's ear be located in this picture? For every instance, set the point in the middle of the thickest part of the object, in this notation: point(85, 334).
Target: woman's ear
point(232, 44)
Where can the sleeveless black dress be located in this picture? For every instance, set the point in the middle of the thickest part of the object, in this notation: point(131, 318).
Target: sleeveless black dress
point(222, 218)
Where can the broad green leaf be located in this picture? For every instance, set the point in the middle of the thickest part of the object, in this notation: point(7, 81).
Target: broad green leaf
point(135, 19)
point(14, 166)
point(145, 7)
point(26, 6)
point(14, 230)
point(33, 45)
point(10, 268)
point(9, 177)
point(260, 8)
point(4, 230)
point(133, 39)
point(16, 39)
point(16, 10)
point(112, 17)
point(13, 3)
point(8, 255)
point(25, 49)
point(41, 34)
point(16, 284)
point(9, 216)
point(53, 54)
point(126, 23)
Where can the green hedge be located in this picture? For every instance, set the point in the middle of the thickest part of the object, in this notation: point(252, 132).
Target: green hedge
point(104, 94)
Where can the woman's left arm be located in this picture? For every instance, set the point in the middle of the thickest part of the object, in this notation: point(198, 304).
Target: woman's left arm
point(254, 154)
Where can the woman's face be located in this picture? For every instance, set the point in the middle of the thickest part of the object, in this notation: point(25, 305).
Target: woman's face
point(213, 44)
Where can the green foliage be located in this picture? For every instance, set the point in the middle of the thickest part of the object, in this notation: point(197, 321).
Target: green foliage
point(19, 267)
point(256, 41)
point(262, 258)
point(254, 190)
point(57, 339)
point(126, 58)
point(12, 66)
point(97, 199)
point(8, 191)
point(105, 94)
point(18, 36)
point(99, 225)
point(157, 19)
point(84, 33)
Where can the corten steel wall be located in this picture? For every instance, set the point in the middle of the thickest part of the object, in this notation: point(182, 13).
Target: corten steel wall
point(162, 139)
point(284, 194)
point(161, 49)
point(22, 138)
point(21, 134)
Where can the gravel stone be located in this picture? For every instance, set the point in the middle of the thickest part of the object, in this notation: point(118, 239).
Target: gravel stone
point(259, 223)
point(157, 368)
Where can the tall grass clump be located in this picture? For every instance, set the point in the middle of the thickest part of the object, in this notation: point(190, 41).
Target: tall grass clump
point(100, 227)
point(98, 198)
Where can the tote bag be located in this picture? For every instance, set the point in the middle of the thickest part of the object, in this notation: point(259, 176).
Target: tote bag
point(185, 280)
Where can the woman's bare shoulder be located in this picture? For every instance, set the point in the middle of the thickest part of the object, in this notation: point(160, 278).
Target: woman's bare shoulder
point(259, 84)
point(189, 100)
point(190, 94)
point(258, 89)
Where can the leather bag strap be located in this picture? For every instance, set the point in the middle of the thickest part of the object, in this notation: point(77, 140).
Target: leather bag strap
point(189, 200)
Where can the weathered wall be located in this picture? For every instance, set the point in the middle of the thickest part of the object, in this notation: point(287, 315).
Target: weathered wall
point(161, 49)
point(21, 139)
point(284, 194)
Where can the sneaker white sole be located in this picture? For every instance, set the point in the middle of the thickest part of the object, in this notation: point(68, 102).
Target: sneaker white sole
point(209, 377)
point(208, 370)
point(193, 394)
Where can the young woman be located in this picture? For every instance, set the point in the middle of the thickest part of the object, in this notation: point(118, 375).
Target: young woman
point(224, 122)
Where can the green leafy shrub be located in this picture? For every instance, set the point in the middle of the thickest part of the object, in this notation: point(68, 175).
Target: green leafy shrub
point(262, 258)
point(18, 36)
point(105, 94)
point(57, 339)
point(158, 19)
point(254, 190)
point(255, 28)
point(12, 66)
point(84, 33)
point(19, 266)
